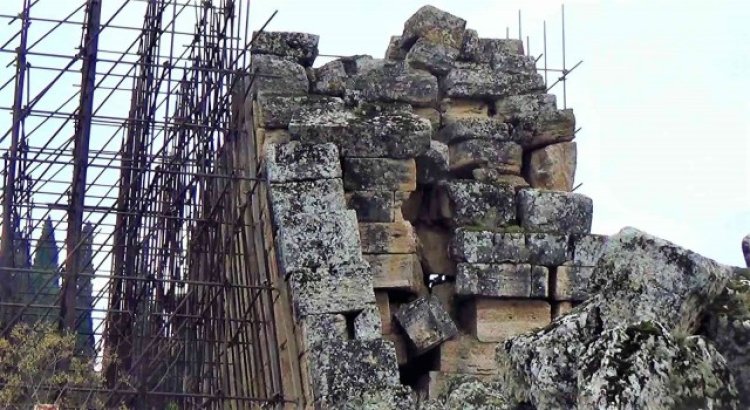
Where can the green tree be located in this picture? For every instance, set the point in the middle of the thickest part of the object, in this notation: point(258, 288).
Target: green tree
point(84, 295)
point(44, 278)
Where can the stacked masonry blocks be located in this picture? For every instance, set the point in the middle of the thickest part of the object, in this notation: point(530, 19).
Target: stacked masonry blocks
point(422, 203)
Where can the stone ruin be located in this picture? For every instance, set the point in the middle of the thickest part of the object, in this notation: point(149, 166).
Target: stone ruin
point(434, 256)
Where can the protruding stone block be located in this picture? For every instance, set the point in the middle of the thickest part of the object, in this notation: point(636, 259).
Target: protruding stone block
point(302, 48)
point(552, 211)
point(316, 196)
point(321, 328)
point(553, 167)
point(380, 174)
point(433, 165)
point(471, 203)
point(393, 81)
point(466, 128)
point(467, 355)
point(433, 250)
point(294, 161)
point(276, 111)
point(275, 75)
point(514, 63)
point(548, 249)
point(393, 237)
point(340, 289)
point(318, 240)
point(434, 25)
point(467, 155)
point(548, 127)
point(482, 50)
point(495, 320)
point(517, 107)
point(330, 79)
point(426, 323)
point(483, 81)
point(396, 271)
point(394, 50)
point(501, 280)
point(434, 57)
point(367, 325)
point(372, 206)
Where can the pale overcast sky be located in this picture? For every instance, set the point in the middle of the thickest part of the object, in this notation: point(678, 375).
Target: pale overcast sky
point(661, 96)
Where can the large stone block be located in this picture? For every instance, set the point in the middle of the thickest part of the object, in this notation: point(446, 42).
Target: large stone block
point(515, 108)
point(494, 176)
point(426, 323)
point(302, 48)
point(548, 249)
point(482, 50)
point(396, 271)
point(395, 81)
point(367, 324)
point(501, 280)
point(318, 240)
point(455, 108)
point(380, 174)
point(320, 329)
point(370, 131)
point(477, 246)
point(340, 289)
point(573, 279)
point(467, 355)
point(276, 111)
point(392, 237)
point(496, 320)
point(275, 75)
point(514, 63)
point(294, 161)
point(433, 165)
point(330, 78)
point(553, 167)
point(548, 127)
point(436, 58)
point(552, 211)
point(466, 128)
point(434, 25)
point(394, 50)
point(317, 196)
point(465, 156)
point(471, 203)
point(433, 250)
point(483, 81)
point(372, 206)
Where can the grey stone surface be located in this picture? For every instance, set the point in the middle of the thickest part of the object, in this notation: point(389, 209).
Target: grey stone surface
point(471, 203)
point(318, 240)
point(380, 174)
point(466, 128)
point(470, 47)
point(372, 206)
point(394, 50)
point(318, 196)
point(553, 167)
point(477, 246)
point(483, 50)
point(294, 161)
point(435, 25)
point(548, 127)
point(330, 79)
point(370, 131)
point(513, 63)
point(397, 397)
point(433, 165)
point(322, 328)
point(426, 323)
point(642, 366)
point(517, 107)
point(497, 280)
point(275, 75)
point(587, 249)
point(302, 48)
point(539, 282)
point(276, 111)
point(436, 58)
point(497, 177)
point(395, 81)
point(552, 211)
point(548, 249)
point(572, 283)
point(486, 153)
point(367, 324)
point(339, 289)
point(483, 81)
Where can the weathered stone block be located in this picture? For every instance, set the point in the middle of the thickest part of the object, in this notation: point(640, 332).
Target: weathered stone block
point(274, 75)
point(430, 114)
point(380, 174)
point(330, 79)
point(302, 48)
point(294, 161)
point(426, 323)
point(433, 250)
point(340, 289)
point(548, 127)
point(394, 50)
point(495, 320)
point(482, 50)
point(572, 283)
point(466, 128)
point(547, 249)
point(552, 211)
point(514, 108)
point(392, 237)
point(475, 246)
point(467, 355)
point(323, 195)
point(467, 155)
point(318, 240)
point(396, 271)
point(433, 165)
point(384, 310)
point(455, 108)
point(539, 282)
point(587, 249)
point(320, 329)
point(371, 131)
point(434, 25)
point(514, 63)
point(276, 111)
point(392, 81)
point(372, 206)
point(561, 309)
point(367, 324)
point(482, 81)
point(434, 57)
point(471, 203)
point(553, 167)
point(497, 177)
point(495, 280)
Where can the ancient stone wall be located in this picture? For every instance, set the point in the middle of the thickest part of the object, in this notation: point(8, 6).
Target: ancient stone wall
point(421, 206)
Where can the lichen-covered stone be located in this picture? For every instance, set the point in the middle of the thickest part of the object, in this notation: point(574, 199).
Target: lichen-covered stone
point(466, 128)
point(495, 280)
point(426, 323)
point(539, 282)
point(318, 240)
point(552, 211)
point(475, 246)
point(372, 206)
point(467, 155)
point(553, 167)
point(572, 283)
point(294, 161)
point(548, 127)
point(471, 203)
point(436, 58)
point(315, 196)
point(483, 50)
point(302, 48)
point(330, 79)
point(276, 111)
point(339, 289)
point(367, 325)
point(516, 107)
point(275, 75)
point(483, 81)
point(514, 63)
point(494, 176)
point(395, 81)
point(381, 174)
point(434, 25)
point(370, 131)
point(395, 397)
point(548, 249)
point(642, 366)
point(394, 237)
point(470, 47)
point(321, 328)
point(433, 165)
point(394, 50)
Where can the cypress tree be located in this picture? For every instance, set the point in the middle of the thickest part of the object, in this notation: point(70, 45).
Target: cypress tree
point(44, 278)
